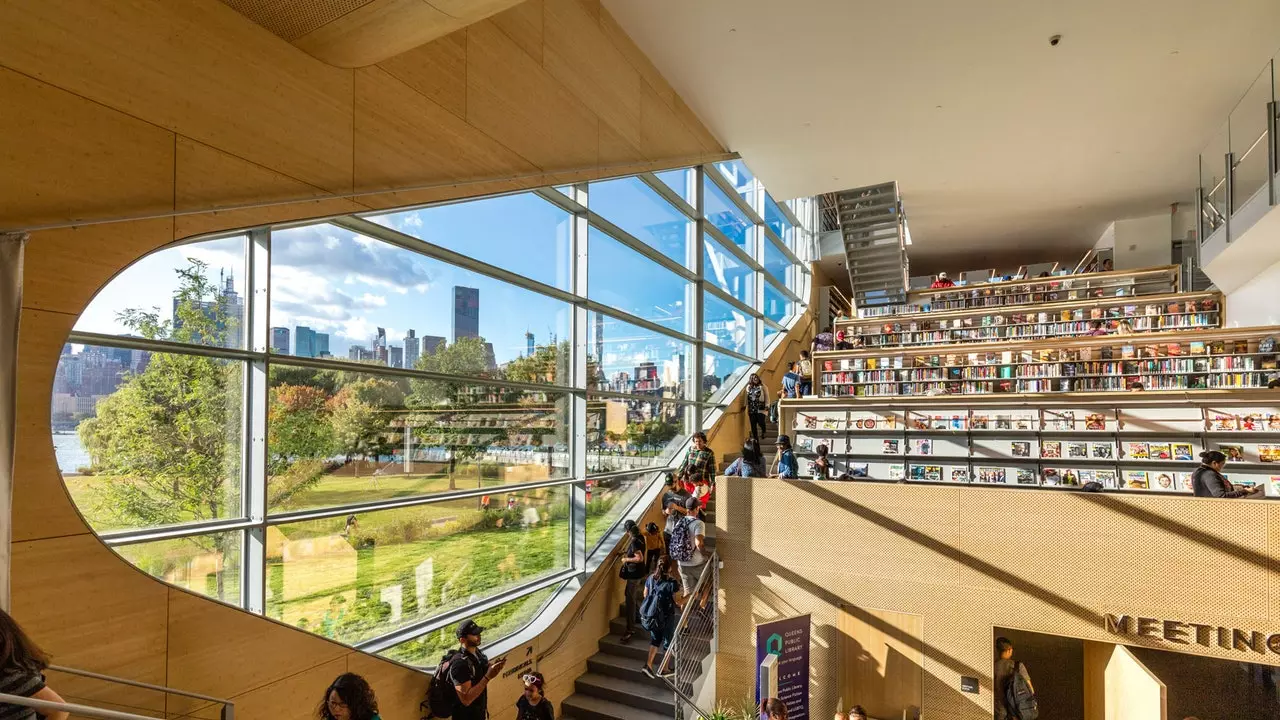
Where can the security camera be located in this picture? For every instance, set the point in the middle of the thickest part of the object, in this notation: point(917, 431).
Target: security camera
point(1054, 40)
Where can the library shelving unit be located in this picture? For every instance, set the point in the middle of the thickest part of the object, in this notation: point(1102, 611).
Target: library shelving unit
point(1034, 291)
point(1184, 360)
point(1136, 443)
point(1046, 320)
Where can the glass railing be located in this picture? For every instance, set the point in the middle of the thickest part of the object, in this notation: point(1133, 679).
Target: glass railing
point(1238, 162)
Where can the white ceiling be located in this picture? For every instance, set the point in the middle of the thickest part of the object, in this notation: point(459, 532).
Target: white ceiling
point(1002, 145)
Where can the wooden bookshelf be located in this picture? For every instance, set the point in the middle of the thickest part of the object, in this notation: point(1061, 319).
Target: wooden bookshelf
point(1033, 291)
point(1064, 319)
point(1186, 360)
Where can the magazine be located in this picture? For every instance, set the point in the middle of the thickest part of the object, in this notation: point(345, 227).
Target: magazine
point(890, 447)
point(960, 475)
point(1095, 421)
point(1159, 451)
point(1106, 477)
point(1026, 476)
point(1101, 451)
point(922, 446)
point(1136, 451)
point(1182, 481)
point(1162, 481)
point(1077, 450)
point(1269, 453)
point(896, 472)
point(1234, 453)
point(1183, 451)
point(1070, 477)
point(991, 474)
point(1051, 449)
point(1136, 479)
point(1021, 448)
point(933, 473)
point(1052, 476)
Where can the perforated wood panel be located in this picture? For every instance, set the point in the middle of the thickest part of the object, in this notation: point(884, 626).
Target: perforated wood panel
point(968, 559)
point(291, 19)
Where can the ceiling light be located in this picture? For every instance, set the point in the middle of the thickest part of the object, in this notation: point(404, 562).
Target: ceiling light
point(1054, 40)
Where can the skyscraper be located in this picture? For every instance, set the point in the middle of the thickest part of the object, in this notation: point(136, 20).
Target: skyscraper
point(466, 312)
point(395, 356)
point(411, 350)
point(599, 338)
point(231, 305)
point(528, 339)
point(304, 341)
point(431, 343)
point(322, 345)
point(280, 340)
point(380, 346)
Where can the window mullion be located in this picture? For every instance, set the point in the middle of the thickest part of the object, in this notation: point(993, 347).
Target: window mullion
point(579, 341)
point(254, 487)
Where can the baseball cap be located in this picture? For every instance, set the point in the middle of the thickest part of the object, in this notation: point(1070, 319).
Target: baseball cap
point(469, 627)
point(783, 440)
point(691, 503)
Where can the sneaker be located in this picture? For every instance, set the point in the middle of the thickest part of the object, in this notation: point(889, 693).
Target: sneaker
point(648, 672)
point(626, 637)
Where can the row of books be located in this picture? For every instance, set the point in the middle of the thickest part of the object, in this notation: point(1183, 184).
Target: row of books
point(1050, 420)
point(1265, 348)
point(1034, 331)
point(915, 388)
point(1128, 313)
point(983, 371)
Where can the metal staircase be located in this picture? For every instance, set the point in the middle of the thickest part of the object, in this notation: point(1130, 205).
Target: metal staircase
point(870, 220)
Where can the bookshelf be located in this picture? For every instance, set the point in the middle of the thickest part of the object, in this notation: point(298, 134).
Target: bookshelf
point(1117, 283)
point(1140, 445)
point(1187, 360)
point(1050, 320)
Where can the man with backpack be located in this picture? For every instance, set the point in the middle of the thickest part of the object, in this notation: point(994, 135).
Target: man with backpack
point(459, 688)
point(687, 542)
point(658, 612)
point(1015, 697)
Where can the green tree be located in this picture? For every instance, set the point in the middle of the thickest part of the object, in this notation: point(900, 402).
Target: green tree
point(166, 443)
point(361, 414)
point(299, 439)
point(444, 408)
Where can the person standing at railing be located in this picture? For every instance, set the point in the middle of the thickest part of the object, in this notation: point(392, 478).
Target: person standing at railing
point(633, 572)
point(23, 672)
point(654, 547)
point(757, 400)
point(942, 281)
point(699, 467)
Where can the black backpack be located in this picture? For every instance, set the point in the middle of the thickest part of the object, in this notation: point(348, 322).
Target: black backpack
point(656, 608)
point(1018, 697)
point(442, 696)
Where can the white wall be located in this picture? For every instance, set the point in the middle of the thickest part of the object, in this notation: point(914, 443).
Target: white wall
point(1143, 242)
point(1107, 240)
point(1257, 302)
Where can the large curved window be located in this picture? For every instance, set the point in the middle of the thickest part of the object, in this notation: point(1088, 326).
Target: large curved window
point(362, 426)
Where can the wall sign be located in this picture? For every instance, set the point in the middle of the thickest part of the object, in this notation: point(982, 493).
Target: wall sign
point(968, 684)
point(1177, 632)
point(788, 640)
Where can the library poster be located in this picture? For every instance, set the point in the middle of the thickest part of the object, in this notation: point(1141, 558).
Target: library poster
point(789, 640)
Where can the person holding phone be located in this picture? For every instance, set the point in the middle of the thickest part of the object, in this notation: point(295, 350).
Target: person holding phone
point(471, 676)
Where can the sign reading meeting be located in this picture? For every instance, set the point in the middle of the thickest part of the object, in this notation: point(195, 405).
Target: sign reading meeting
point(782, 660)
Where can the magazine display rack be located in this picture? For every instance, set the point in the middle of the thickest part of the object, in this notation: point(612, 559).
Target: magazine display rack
point(1144, 448)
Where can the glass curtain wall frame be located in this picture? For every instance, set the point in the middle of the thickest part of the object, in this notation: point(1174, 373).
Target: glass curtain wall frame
point(244, 538)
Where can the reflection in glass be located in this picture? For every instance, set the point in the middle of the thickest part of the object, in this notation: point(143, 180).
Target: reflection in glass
point(632, 433)
point(349, 297)
point(522, 233)
point(777, 221)
point(736, 172)
point(777, 306)
point(205, 564)
point(608, 499)
point(727, 326)
point(635, 208)
point(777, 264)
point(728, 217)
point(337, 438)
point(624, 358)
point(721, 372)
point(682, 182)
point(727, 272)
point(506, 619)
point(192, 293)
point(622, 278)
point(769, 333)
point(350, 578)
point(146, 439)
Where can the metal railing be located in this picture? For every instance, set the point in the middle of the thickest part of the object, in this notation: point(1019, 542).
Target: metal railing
point(44, 707)
point(694, 639)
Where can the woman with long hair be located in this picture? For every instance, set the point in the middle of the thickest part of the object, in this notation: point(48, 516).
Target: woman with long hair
point(1208, 481)
point(757, 400)
point(750, 463)
point(634, 569)
point(660, 611)
point(23, 672)
point(348, 697)
point(773, 709)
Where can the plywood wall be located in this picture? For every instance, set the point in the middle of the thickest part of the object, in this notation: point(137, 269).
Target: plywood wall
point(151, 108)
point(968, 559)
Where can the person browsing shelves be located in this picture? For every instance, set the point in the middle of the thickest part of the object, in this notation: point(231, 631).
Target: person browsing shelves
point(1209, 482)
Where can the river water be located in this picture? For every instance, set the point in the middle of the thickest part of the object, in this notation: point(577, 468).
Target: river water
point(71, 454)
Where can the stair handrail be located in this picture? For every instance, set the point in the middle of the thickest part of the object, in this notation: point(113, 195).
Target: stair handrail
point(228, 707)
point(74, 709)
point(600, 576)
point(691, 600)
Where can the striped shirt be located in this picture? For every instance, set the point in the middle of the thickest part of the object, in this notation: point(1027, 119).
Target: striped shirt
point(17, 681)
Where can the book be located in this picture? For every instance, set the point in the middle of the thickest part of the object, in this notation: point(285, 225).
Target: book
point(1078, 450)
point(1136, 479)
point(1021, 448)
point(1197, 347)
point(1051, 449)
point(1183, 451)
point(1137, 451)
point(1163, 481)
point(890, 447)
point(1159, 451)
point(1234, 453)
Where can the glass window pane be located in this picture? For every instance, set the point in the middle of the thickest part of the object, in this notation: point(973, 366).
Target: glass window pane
point(769, 333)
point(354, 298)
point(777, 264)
point(727, 326)
point(681, 181)
point(727, 272)
point(205, 564)
point(337, 438)
point(777, 307)
point(565, 190)
point(193, 293)
point(624, 358)
point(778, 222)
point(633, 433)
point(146, 439)
point(620, 277)
point(500, 622)
point(633, 206)
point(721, 372)
point(522, 233)
point(354, 577)
point(736, 172)
point(607, 500)
point(728, 217)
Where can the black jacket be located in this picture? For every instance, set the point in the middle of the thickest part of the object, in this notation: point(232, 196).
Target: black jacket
point(1207, 482)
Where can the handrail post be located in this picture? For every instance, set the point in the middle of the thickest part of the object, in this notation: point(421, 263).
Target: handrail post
point(1230, 191)
point(1273, 147)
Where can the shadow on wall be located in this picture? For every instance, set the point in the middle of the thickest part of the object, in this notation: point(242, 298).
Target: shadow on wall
point(1056, 667)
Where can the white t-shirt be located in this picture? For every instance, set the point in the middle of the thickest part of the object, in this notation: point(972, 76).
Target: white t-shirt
point(696, 528)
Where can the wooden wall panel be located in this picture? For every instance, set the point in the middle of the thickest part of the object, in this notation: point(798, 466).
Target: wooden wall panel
point(438, 70)
point(522, 106)
point(586, 62)
point(299, 694)
point(881, 662)
point(64, 269)
point(662, 133)
point(199, 69)
point(76, 158)
point(524, 25)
